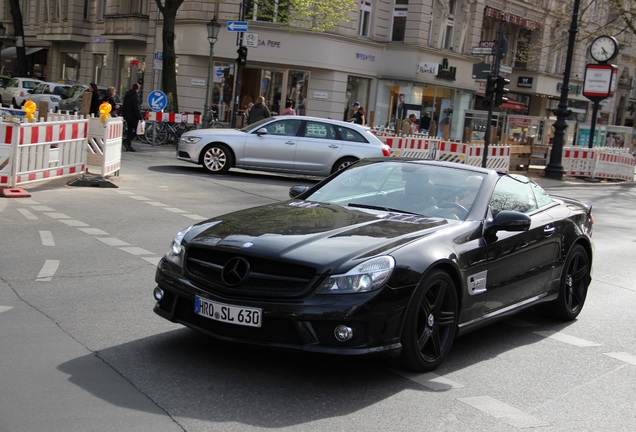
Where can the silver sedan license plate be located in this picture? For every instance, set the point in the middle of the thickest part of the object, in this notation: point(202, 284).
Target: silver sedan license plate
point(239, 315)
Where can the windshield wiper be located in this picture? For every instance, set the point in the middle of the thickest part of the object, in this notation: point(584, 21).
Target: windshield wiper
point(373, 207)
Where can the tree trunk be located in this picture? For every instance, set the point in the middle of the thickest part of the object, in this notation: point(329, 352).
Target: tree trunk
point(169, 76)
point(20, 68)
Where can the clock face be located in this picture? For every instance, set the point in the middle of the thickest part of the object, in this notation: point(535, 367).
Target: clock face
point(604, 48)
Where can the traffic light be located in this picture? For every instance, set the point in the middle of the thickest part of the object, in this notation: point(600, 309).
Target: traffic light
point(241, 60)
point(491, 87)
point(501, 91)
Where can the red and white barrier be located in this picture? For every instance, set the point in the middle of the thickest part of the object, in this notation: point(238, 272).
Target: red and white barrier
point(599, 162)
point(31, 152)
point(173, 117)
point(103, 147)
point(498, 157)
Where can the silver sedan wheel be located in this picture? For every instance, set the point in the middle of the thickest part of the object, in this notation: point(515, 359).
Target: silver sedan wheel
point(217, 159)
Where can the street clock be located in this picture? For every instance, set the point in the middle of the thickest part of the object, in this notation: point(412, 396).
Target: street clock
point(604, 49)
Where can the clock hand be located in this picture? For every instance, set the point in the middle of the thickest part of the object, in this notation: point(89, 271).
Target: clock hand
point(604, 51)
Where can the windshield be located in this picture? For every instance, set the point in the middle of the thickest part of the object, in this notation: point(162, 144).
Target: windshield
point(255, 125)
point(408, 187)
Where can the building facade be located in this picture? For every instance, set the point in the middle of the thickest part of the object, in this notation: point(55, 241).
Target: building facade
point(424, 50)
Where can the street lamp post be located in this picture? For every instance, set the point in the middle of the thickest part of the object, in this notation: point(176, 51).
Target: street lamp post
point(3, 31)
point(213, 35)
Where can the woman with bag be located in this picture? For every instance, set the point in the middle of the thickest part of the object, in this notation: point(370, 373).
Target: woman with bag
point(131, 112)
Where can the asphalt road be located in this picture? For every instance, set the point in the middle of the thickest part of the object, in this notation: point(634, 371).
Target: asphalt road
point(81, 349)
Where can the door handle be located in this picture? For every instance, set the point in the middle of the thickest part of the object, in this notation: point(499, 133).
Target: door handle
point(549, 229)
point(333, 146)
point(290, 142)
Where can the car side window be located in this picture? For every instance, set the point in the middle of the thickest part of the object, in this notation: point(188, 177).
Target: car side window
point(512, 193)
point(543, 198)
point(283, 128)
point(320, 130)
point(347, 134)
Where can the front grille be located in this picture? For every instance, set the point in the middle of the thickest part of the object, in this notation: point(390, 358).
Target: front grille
point(267, 278)
point(273, 330)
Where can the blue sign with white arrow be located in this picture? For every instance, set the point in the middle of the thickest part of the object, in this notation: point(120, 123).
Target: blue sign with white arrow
point(237, 26)
point(157, 100)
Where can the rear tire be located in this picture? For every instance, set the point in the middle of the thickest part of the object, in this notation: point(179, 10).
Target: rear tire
point(217, 158)
point(430, 325)
point(343, 163)
point(575, 280)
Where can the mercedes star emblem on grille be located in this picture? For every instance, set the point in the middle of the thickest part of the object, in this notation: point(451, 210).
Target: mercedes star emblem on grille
point(235, 271)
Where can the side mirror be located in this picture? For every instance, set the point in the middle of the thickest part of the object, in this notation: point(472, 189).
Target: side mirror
point(261, 131)
point(294, 191)
point(510, 221)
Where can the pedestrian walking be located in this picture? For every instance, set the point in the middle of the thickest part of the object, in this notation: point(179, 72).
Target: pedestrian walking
point(110, 98)
point(131, 112)
point(408, 125)
point(259, 111)
point(94, 109)
point(288, 109)
point(359, 117)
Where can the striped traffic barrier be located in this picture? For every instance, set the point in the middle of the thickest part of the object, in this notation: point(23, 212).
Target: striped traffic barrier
point(173, 117)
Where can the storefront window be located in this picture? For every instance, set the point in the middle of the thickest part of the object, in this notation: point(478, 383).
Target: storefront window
point(357, 91)
point(297, 83)
point(223, 79)
point(70, 66)
point(99, 61)
point(132, 71)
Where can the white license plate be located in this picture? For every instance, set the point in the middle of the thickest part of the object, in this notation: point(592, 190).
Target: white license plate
point(239, 315)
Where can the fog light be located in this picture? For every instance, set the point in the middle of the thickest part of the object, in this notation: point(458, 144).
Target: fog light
point(343, 333)
point(158, 293)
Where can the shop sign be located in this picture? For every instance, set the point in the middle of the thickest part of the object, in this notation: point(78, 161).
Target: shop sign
point(427, 68)
point(572, 88)
point(447, 72)
point(269, 43)
point(525, 82)
point(512, 19)
point(365, 57)
point(321, 95)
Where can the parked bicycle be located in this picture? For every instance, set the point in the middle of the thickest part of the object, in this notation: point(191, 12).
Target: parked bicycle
point(160, 133)
point(213, 121)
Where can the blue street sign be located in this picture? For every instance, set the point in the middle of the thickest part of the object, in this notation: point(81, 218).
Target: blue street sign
point(157, 100)
point(237, 26)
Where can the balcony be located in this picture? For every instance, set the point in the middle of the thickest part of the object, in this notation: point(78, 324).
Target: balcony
point(126, 27)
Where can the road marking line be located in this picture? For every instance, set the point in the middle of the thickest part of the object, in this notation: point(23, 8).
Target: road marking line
point(133, 250)
point(195, 217)
point(157, 204)
point(174, 210)
point(93, 231)
point(500, 410)
point(152, 260)
point(572, 340)
point(430, 380)
point(27, 214)
point(48, 270)
point(47, 238)
point(5, 308)
point(112, 241)
point(74, 223)
point(125, 192)
point(623, 356)
point(42, 208)
point(139, 198)
point(57, 215)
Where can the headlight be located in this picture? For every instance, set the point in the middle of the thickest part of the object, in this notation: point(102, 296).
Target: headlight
point(190, 139)
point(368, 276)
point(175, 253)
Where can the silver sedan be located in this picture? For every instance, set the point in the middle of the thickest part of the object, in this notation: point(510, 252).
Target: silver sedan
point(285, 144)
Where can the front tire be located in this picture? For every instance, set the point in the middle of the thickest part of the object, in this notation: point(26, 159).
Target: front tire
point(430, 325)
point(217, 158)
point(575, 280)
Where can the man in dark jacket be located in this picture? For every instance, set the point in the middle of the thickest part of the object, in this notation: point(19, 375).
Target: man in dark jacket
point(258, 112)
point(131, 111)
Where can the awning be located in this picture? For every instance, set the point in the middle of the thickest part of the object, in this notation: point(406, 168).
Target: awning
point(10, 52)
point(510, 104)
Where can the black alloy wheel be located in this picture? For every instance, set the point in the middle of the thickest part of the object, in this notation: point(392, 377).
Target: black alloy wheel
point(431, 323)
point(575, 280)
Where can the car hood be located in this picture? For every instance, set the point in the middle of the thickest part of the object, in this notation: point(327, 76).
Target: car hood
point(324, 235)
